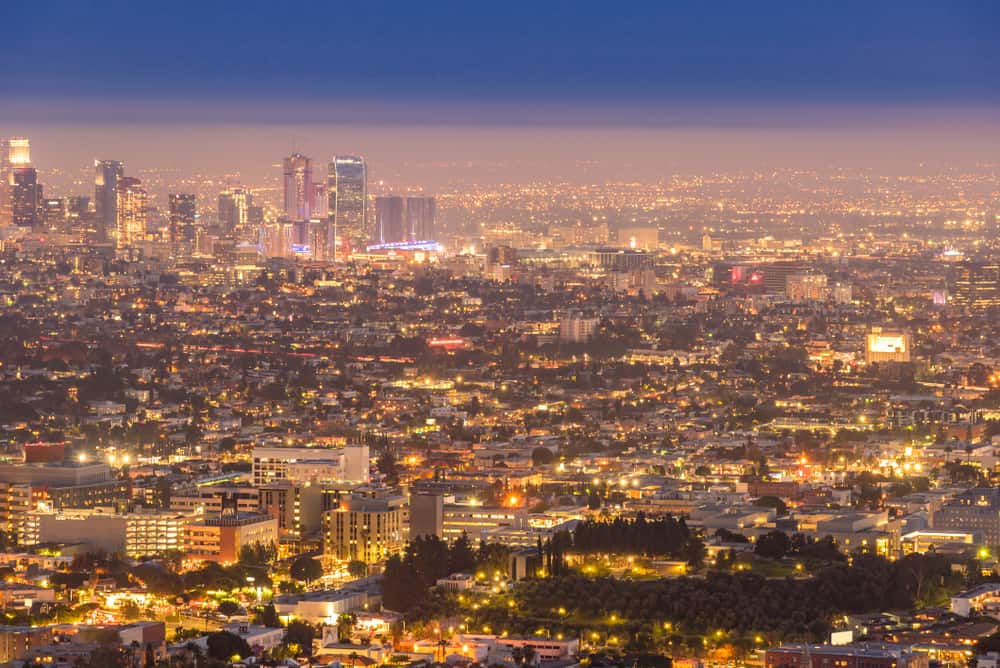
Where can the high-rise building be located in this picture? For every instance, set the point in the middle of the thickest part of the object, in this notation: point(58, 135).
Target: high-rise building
point(575, 328)
point(5, 212)
point(183, 212)
point(54, 213)
point(977, 285)
point(804, 287)
point(420, 218)
point(365, 529)
point(107, 173)
point(20, 192)
point(320, 207)
point(130, 205)
point(347, 194)
point(18, 152)
point(235, 204)
point(426, 515)
point(77, 205)
point(25, 197)
point(298, 187)
point(389, 220)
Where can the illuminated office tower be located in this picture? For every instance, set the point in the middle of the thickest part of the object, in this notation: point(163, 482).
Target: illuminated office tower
point(389, 220)
point(298, 187)
point(15, 153)
point(107, 173)
point(54, 213)
point(20, 194)
point(234, 208)
point(347, 194)
point(183, 211)
point(77, 206)
point(19, 152)
point(130, 206)
point(25, 197)
point(420, 218)
point(5, 212)
point(319, 201)
point(977, 286)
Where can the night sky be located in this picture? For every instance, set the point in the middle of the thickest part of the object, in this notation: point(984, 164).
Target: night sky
point(885, 52)
point(427, 87)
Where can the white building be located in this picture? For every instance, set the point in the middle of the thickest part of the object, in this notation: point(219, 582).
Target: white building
point(276, 463)
point(575, 328)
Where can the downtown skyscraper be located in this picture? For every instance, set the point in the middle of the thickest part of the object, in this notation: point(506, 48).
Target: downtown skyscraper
point(298, 187)
point(130, 207)
point(107, 173)
point(403, 219)
point(235, 204)
point(347, 193)
point(183, 213)
point(420, 212)
point(21, 192)
point(390, 225)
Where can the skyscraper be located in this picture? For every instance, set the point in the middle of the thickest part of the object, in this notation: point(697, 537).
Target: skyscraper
point(420, 218)
point(19, 151)
point(53, 211)
point(234, 209)
point(20, 193)
point(130, 206)
point(389, 220)
point(298, 187)
point(977, 285)
point(183, 211)
point(25, 197)
point(347, 194)
point(319, 201)
point(5, 212)
point(107, 173)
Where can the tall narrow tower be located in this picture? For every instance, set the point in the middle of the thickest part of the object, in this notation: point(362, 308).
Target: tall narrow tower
point(298, 187)
point(107, 173)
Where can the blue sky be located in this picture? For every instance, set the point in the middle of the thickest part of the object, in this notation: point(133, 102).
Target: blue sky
point(644, 87)
point(598, 53)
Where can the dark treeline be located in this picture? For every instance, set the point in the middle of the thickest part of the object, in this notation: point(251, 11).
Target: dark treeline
point(663, 537)
point(407, 579)
point(742, 603)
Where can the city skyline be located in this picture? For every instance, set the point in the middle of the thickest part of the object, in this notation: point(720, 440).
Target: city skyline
point(500, 335)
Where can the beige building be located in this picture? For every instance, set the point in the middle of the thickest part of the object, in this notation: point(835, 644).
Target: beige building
point(297, 506)
point(134, 534)
point(220, 539)
point(365, 529)
point(131, 215)
point(884, 345)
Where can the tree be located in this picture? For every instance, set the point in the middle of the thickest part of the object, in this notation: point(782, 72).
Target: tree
point(345, 625)
point(542, 456)
point(780, 507)
point(223, 645)
point(387, 466)
point(401, 589)
point(773, 545)
point(229, 608)
point(269, 617)
point(461, 558)
point(130, 610)
point(306, 569)
point(300, 635)
point(357, 569)
point(258, 554)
